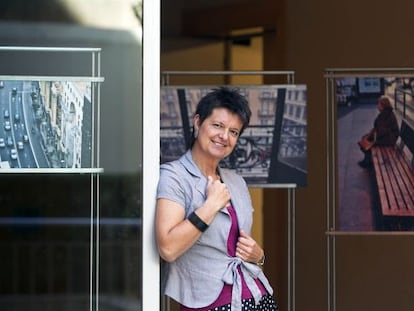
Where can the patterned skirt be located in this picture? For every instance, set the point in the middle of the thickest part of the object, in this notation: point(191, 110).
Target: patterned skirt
point(267, 303)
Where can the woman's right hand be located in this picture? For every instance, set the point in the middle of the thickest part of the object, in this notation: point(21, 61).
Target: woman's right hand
point(218, 196)
point(175, 234)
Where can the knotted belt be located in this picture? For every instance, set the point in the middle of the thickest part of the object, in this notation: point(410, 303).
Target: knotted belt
point(232, 276)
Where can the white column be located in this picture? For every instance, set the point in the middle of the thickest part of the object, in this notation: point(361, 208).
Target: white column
point(151, 143)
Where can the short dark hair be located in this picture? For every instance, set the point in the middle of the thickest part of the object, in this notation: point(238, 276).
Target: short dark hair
point(224, 97)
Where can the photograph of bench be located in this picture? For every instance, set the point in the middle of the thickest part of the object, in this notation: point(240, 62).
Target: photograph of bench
point(394, 174)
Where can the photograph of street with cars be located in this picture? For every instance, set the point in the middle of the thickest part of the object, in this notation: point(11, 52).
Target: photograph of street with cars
point(270, 152)
point(45, 124)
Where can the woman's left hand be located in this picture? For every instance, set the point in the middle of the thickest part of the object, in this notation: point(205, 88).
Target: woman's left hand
point(247, 248)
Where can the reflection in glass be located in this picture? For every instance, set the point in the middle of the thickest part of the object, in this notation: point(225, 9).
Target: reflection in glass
point(46, 236)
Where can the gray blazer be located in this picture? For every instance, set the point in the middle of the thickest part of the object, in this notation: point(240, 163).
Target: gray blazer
point(197, 277)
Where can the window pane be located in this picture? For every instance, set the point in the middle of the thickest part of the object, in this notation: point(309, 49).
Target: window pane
point(52, 256)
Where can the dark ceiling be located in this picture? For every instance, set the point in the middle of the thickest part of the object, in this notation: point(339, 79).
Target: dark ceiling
point(183, 22)
point(198, 21)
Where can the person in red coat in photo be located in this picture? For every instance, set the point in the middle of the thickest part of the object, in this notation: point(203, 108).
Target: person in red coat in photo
point(384, 133)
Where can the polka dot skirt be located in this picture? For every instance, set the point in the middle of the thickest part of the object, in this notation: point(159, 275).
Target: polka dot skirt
point(267, 303)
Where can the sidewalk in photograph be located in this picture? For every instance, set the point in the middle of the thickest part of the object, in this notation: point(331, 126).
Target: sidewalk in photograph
point(355, 188)
point(356, 210)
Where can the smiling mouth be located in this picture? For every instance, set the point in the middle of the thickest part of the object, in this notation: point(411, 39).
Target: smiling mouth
point(219, 144)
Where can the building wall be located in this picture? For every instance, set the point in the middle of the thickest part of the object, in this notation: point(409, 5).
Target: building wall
point(372, 271)
point(311, 36)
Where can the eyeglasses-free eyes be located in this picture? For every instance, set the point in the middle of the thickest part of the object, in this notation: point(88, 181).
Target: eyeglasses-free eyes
point(235, 133)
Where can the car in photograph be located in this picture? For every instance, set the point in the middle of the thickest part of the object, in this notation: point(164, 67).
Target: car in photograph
point(1, 84)
point(16, 117)
point(20, 145)
point(13, 154)
point(9, 141)
point(2, 142)
point(25, 138)
point(7, 125)
point(6, 114)
point(14, 91)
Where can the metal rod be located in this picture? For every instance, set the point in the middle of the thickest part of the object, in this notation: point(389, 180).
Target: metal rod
point(97, 231)
point(70, 221)
point(252, 72)
point(96, 69)
point(330, 193)
point(48, 49)
point(368, 72)
point(278, 186)
point(371, 75)
point(54, 78)
point(293, 219)
point(291, 249)
point(369, 233)
point(51, 170)
point(289, 308)
point(91, 257)
point(328, 244)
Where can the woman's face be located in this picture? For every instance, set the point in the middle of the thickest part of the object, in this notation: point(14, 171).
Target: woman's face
point(218, 134)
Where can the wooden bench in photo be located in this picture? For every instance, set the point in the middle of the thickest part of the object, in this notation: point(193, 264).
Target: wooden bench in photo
point(394, 174)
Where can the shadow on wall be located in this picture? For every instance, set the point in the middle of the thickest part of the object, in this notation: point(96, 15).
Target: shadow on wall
point(35, 11)
point(66, 198)
point(120, 66)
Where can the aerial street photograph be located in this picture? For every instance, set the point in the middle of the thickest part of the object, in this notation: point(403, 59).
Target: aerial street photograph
point(45, 124)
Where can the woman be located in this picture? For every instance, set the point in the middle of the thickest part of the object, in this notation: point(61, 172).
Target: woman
point(384, 133)
point(204, 217)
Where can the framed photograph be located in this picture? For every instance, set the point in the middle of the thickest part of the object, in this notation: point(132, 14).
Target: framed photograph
point(375, 184)
point(271, 151)
point(46, 123)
